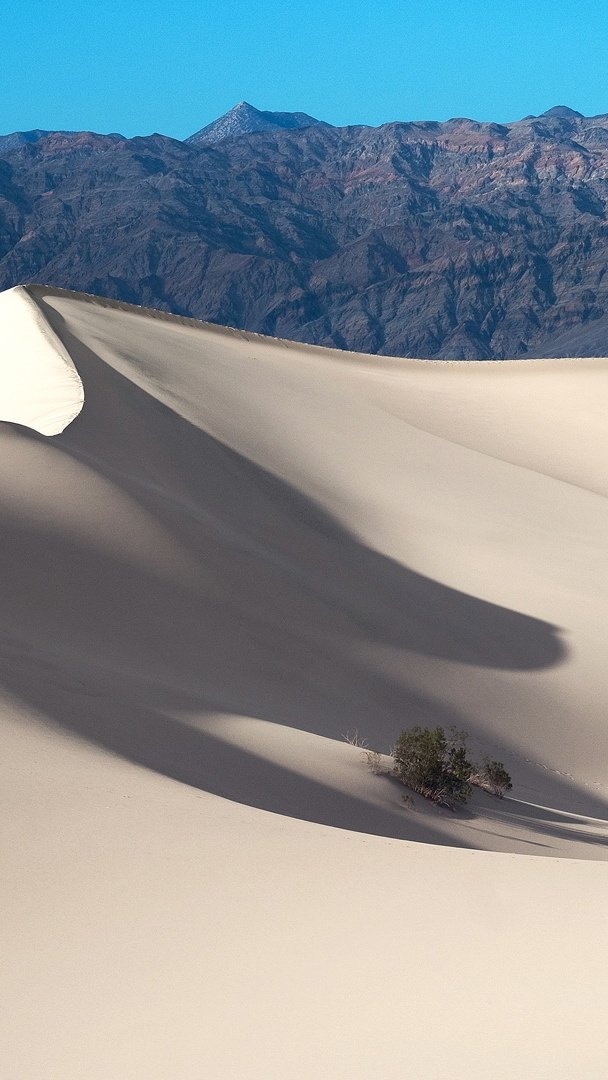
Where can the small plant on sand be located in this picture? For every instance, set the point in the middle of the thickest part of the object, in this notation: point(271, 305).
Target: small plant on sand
point(493, 777)
point(374, 762)
point(434, 764)
point(354, 739)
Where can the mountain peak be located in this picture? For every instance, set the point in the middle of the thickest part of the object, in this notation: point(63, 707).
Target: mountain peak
point(564, 112)
point(245, 119)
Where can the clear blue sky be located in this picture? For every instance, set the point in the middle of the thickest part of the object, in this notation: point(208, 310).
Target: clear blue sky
point(137, 67)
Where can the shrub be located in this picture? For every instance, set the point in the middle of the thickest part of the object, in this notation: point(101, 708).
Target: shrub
point(354, 739)
point(374, 762)
point(434, 764)
point(378, 764)
point(493, 777)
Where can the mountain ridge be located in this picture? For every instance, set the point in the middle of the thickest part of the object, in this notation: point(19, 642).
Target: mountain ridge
point(459, 239)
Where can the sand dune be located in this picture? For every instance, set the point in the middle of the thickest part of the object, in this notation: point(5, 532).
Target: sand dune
point(234, 552)
point(41, 388)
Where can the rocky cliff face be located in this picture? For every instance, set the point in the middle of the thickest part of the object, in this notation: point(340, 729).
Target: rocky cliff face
point(455, 240)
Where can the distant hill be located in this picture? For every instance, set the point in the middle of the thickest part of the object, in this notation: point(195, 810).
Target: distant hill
point(22, 138)
point(457, 240)
point(244, 119)
point(19, 138)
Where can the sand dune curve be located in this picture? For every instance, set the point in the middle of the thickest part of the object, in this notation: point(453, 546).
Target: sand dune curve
point(234, 552)
point(41, 388)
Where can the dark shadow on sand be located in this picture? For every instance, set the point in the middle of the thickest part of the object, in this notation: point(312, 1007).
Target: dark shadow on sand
point(286, 608)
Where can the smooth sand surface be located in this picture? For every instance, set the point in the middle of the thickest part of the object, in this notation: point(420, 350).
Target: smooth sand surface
point(238, 551)
point(40, 386)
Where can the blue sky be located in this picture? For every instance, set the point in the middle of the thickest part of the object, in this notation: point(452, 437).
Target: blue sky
point(137, 67)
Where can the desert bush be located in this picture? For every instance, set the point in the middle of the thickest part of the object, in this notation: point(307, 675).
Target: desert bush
point(375, 762)
point(354, 739)
point(434, 764)
point(493, 777)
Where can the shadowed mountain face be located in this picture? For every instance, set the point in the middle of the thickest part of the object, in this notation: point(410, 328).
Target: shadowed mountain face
point(454, 240)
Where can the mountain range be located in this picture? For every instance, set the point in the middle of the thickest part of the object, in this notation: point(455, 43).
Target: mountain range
point(460, 239)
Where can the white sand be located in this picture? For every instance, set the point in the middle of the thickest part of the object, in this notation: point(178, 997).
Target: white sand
point(40, 386)
point(240, 549)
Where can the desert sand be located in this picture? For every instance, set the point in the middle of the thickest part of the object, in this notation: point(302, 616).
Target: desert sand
point(221, 554)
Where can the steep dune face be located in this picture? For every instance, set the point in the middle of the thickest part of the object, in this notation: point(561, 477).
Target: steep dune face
point(40, 387)
point(238, 550)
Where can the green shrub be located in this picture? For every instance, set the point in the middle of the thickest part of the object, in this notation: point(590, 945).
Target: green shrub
point(434, 764)
point(493, 777)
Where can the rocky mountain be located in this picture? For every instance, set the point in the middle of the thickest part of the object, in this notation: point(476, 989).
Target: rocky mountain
point(244, 119)
point(458, 239)
point(20, 138)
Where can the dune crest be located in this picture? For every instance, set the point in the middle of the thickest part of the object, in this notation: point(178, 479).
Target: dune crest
point(40, 387)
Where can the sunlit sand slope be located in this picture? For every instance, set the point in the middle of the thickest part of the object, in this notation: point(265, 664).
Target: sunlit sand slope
point(40, 387)
point(240, 550)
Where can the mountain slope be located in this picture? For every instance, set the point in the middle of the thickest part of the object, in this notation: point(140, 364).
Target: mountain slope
point(244, 119)
point(455, 240)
